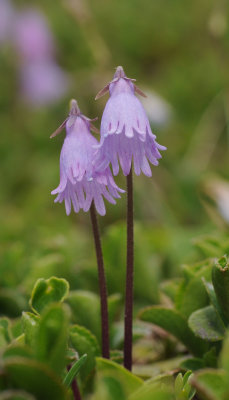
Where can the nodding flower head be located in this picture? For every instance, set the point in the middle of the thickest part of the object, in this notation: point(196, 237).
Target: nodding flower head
point(125, 129)
point(80, 182)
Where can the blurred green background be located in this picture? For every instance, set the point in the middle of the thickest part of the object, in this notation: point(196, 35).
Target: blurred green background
point(179, 53)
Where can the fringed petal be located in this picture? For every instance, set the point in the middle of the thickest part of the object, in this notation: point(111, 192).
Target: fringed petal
point(145, 167)
point(99, 203)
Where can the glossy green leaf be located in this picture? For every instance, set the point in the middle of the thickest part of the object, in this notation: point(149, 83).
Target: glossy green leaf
point(173, 322)
point(48, 291)
point(85, 308)
point(207, 324)
point(72, 373)
point(108, 388)
point(192, 297)
point(211, 384)
point(192, 364)
point(16, 327)
point(210, 246)
point(109, 370)
point(224, 354)
point(151, 390)
point(171, 287)
point(51, 344)
point(178, 384)
point(212, 297)
point(18, 350)
point(30, 323)
point(5, 334)
point(210, 358)
point(146, 371)
point(35, 378)
point(84, 342)
point(201, 268)
point(183, 388)
point(220, 280)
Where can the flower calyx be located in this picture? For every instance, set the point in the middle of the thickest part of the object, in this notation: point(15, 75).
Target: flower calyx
point(73, 114)
point(119, 74)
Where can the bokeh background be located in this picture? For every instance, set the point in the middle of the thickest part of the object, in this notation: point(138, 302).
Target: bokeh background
point(179, 53)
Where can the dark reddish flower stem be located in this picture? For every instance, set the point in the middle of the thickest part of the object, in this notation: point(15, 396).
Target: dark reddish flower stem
point(102, 284)
point(75, 388)
point(129, 275)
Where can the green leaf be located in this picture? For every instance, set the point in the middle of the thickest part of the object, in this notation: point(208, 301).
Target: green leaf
point(35, 378)
point(85, 308)
point(224, 354)
point(186, 376)
point(220, 280)
point(192, 298)
point(171, 287)
point(109, 388)
point(51, 344)
point(72, 373)
point(16, 328)
point(178, 384)
point(5, 334)
point(150, 391)
point(30, 323)
point(48, 291)
point(85, 342)
point(210, 358)
point(160, 367)
point(210, 246)
point(188, 391)
point(192, 364)
point(174, 323)
point(108, 370)
point(207, 324)
point(212, 296)
point(211, 384)
point(182, 387)
point(159, 387)
point(17, 350)
point(140, 330)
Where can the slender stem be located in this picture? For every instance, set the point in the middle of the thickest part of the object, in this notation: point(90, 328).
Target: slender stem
point(102, 285)
point(75, 388)
point(129, 275)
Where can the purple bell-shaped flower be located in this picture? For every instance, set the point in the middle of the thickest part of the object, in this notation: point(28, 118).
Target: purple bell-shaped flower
point(80, 182)
point(125, 130)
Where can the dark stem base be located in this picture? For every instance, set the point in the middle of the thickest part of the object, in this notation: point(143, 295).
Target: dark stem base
point(102, 285)
point(129, 276)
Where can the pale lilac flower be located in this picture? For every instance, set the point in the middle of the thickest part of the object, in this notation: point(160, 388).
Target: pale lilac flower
point(80, 182)
point(125, 130)
point(43, 82)
point(32, 36)
point(6, 20)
